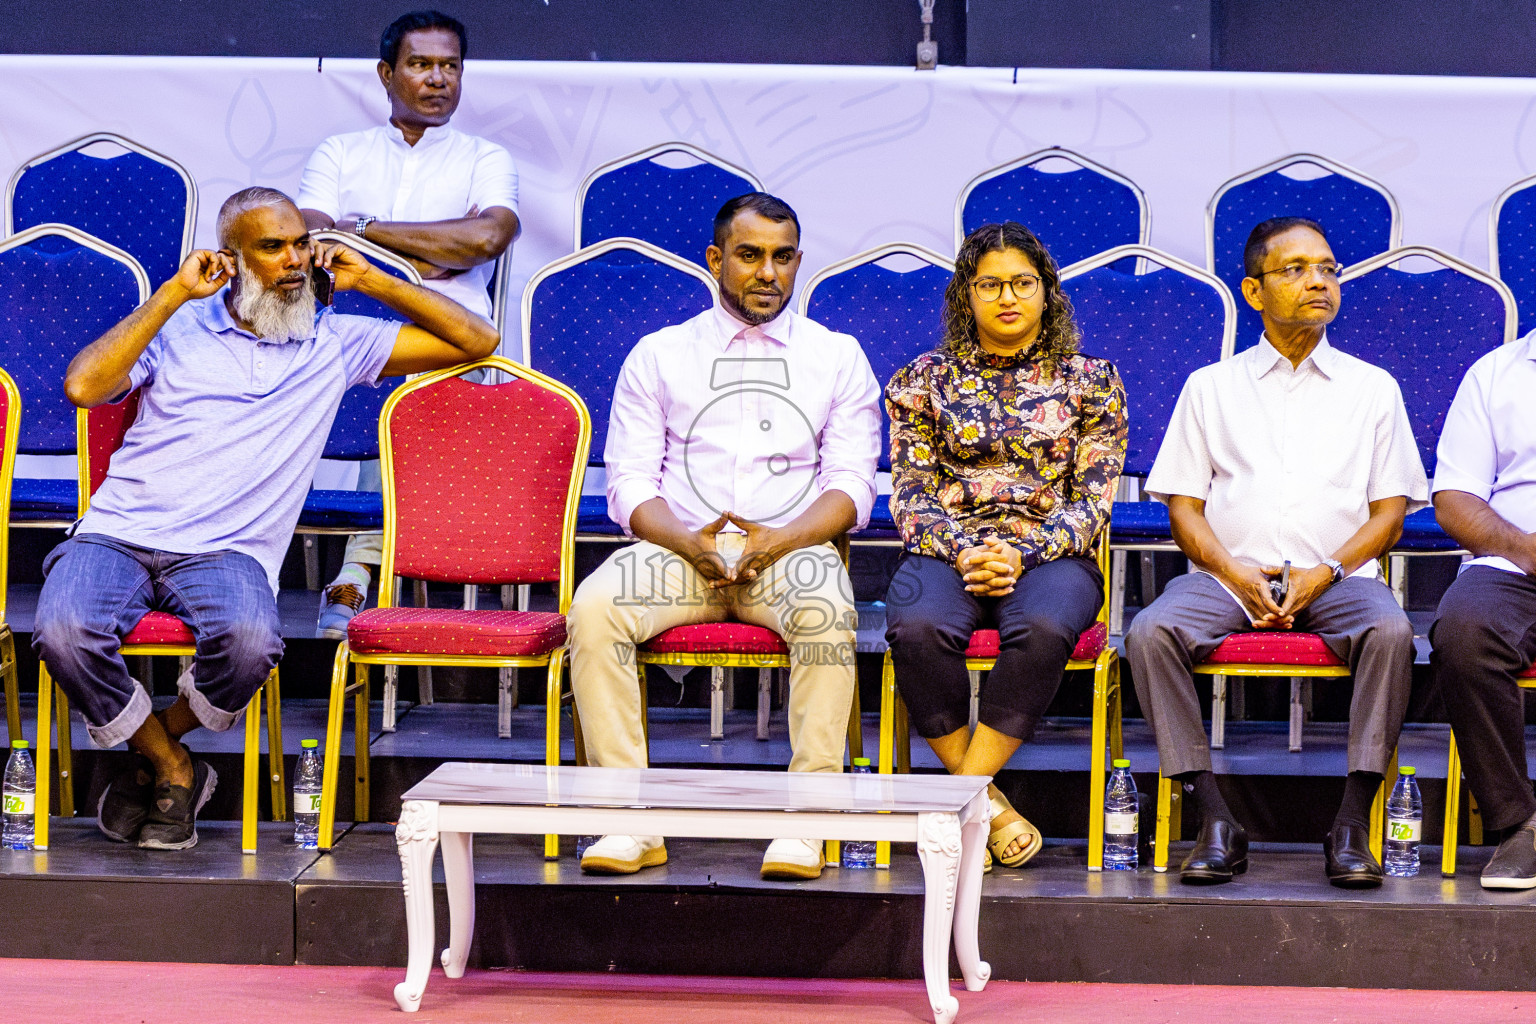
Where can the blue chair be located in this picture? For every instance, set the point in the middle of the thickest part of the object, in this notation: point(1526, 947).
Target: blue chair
point(897, 315)
point(1119, 313)
point(1512, 247)
point(1426, 329)
point(60, 289)
point(1077, 214)
point(139, 201)
point(354, 435)
point(639, 196)
point(1359, 214)
point(584, 312)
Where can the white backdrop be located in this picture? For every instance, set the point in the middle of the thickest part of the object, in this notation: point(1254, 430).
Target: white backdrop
point(865, 155)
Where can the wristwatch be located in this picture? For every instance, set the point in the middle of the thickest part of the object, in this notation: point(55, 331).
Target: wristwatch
point(1337, 567)
point(361, 226)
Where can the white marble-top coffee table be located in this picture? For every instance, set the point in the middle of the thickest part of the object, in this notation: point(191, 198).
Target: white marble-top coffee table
point(946, 816)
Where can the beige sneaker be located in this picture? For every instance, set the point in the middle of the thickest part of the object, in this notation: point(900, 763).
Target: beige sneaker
point(793, 859)
point(624, 855)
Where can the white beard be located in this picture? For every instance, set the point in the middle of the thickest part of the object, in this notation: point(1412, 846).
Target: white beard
point(275, 316)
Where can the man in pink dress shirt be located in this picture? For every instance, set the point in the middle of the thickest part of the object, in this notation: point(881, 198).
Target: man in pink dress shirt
point(741, 443)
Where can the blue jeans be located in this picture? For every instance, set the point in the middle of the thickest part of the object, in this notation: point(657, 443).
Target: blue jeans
point(98, 588)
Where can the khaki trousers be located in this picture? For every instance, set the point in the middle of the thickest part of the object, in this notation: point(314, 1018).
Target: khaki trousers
point(641, 590)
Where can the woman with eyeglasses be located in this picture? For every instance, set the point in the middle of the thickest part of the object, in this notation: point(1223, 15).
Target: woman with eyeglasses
point(1006, 446)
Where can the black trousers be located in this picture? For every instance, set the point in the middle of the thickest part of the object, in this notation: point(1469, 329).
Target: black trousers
point(929, 618)
point(1484, 636)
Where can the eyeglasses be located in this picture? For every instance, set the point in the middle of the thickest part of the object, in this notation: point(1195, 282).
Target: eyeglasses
point(990, 289)
point(1293, 272)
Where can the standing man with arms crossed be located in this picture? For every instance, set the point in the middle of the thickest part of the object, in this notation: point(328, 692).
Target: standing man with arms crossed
point(1289, 451)
point(740, 444)
point(1485, 634)
point(445, 201)
point(238, 388)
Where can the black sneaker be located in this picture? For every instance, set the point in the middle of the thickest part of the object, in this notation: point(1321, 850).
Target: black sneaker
point(172, 822)
point(124, 806)
point(1514, 863)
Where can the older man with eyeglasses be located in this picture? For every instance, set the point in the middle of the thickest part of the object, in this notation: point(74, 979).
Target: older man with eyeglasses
point(1291, 452)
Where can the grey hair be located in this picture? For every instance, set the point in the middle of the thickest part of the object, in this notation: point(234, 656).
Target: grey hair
point(242, 202)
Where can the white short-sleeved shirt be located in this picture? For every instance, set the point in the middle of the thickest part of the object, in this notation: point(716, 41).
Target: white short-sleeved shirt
point(714, 415)
point(376, 173)
point(1287, 460)
point(1488, 446)
point(229, 431)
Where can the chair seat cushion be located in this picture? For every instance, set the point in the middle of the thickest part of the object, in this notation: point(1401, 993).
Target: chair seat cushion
point(159, 628)
point(592, 516)
point(1273, 647)
point(985, 643)
point(716, 638)
point(43, 499)
point(1139, 521)
point(1422, 533)
point(487, 633)
point(1529, 673)
point(359, 510)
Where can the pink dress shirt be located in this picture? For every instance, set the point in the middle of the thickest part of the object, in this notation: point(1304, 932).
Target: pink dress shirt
point(714, 415)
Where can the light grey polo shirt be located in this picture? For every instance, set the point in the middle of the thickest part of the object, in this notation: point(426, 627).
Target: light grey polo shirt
point(229, 431)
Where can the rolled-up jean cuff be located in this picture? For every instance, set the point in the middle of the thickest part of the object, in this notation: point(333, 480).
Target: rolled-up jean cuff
point(209, 717)
point(126, 723)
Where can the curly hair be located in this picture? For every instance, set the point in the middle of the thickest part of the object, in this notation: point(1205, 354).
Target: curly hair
point(1059, 333)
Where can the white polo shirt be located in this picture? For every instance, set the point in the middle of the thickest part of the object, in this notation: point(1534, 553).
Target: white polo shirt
point(1488, 445)
point(376, 173)
point(1288, 460)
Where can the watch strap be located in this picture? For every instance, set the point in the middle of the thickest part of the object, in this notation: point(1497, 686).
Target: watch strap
point(1337, 567)
point(361, 226)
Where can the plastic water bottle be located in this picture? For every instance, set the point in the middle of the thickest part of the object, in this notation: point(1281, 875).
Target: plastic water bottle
point(858, 853)
point(20, 794)
point(306, 797)
point(1405, 826)
point(1122, 819)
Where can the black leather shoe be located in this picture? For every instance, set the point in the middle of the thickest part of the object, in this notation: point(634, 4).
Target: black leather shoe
point(1221, 851)
point(1347, 848)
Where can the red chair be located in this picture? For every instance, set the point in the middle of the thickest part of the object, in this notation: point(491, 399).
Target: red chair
point(1526, 681)
point(101, 431)
point(10, 424)
point(481, 486)
point(1091, 653)
point(1267, 653)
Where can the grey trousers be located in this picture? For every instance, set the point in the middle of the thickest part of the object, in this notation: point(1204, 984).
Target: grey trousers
point(1357, 619)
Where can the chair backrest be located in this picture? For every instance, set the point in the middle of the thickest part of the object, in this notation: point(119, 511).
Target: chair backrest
point(1425, 329)
point(1512, 247)
point(1157, 327)
point(584, 312)
point(60, 290)
point(1077, 214)
point(896, 314)
point(101, 431)
point(1359, 215)
point(355, 433)
point(673, 208)
point(10, 423)
point(482, 481)
point(140, 201)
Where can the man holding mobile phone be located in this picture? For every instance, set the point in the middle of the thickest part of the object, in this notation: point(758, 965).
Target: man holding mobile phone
point(444, 200)
point(238, 381)
point(1289, 450)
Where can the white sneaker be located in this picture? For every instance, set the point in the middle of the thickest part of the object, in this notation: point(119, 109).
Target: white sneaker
point(623, 855)
point(793, 859)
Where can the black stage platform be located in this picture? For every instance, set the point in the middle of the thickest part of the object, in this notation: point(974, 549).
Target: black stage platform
point(1281, 923)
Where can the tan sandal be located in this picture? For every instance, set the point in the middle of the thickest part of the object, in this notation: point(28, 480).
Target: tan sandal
point(1000, 838)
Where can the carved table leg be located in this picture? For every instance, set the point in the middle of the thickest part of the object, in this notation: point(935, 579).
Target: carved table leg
point(938, 848)
point(416, 839)
point(973, 841)
point(459, 874)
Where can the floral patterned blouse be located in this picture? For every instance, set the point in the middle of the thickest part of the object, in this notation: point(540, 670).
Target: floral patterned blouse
point(984, 444)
